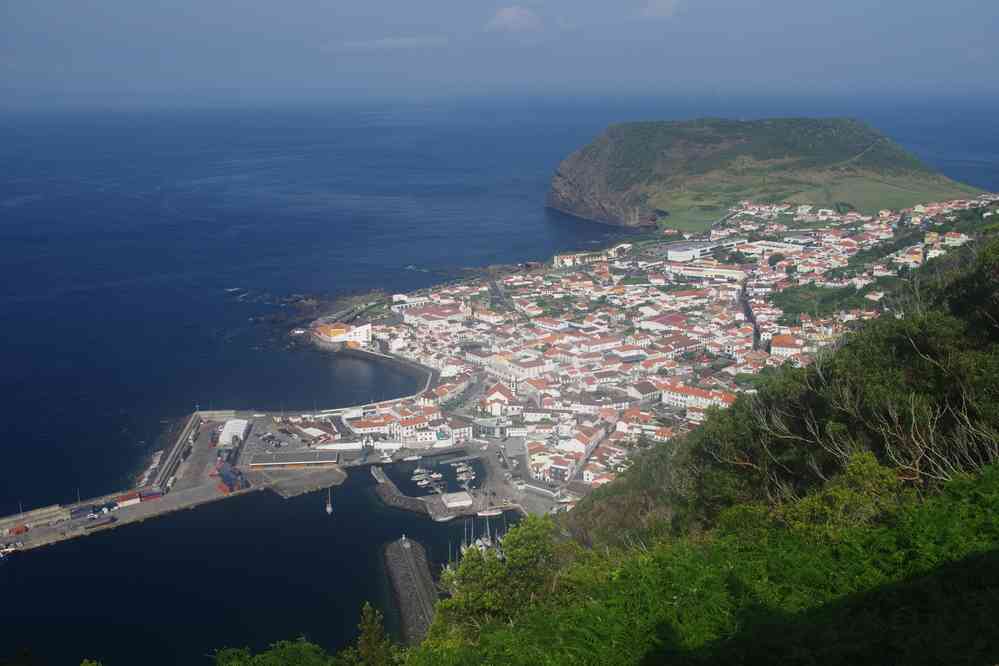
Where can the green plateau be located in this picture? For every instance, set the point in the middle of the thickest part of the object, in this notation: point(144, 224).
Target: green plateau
point(687, 174)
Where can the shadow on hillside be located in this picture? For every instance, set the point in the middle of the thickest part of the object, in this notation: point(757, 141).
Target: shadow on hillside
point(949, 616)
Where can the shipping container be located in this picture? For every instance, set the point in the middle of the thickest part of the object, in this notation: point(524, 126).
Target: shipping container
point(18, 529)
point(131, 501)
point(146, 497)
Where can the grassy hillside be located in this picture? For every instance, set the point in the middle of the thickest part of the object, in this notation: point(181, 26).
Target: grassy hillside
point(846, 514)
point(687, 174)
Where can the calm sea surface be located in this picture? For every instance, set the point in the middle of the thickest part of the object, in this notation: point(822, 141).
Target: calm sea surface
point(119, 236)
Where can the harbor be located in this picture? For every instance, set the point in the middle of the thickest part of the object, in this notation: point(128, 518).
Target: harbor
point(228, 455)
point(191, 574)
point(216, 455)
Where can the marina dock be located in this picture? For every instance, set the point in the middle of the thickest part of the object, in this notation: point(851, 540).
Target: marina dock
point(441, 507)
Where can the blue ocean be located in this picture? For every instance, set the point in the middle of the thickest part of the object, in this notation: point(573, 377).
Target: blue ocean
point(141, 255)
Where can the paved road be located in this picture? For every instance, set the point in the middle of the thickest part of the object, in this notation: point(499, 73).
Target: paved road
point(498, 295)
point(194, 471)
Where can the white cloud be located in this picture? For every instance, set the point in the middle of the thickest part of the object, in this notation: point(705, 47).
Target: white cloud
point(390, 44)
point(514, 19)
point(659, 8)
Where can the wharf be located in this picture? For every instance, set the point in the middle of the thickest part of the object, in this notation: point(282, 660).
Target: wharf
point(413, 584)
point(176, 501)
point(288, 483)
point(187, 477)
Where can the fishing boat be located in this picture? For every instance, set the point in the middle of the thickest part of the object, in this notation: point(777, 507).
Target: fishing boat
point(436, 476)
point(423, 483)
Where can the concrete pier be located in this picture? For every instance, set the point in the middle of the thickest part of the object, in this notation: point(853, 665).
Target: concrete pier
point(291, 483)
point(413, 584)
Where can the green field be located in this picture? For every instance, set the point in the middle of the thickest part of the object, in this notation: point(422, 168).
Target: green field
point(869, 195)
point(696, 208)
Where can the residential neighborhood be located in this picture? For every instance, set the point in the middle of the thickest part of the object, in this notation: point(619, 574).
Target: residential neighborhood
point(597, 355)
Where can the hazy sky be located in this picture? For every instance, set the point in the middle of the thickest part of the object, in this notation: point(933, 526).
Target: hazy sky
point(187, 51)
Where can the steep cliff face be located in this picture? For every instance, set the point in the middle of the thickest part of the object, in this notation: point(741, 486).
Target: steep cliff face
point(580, 188)
point(688, 173)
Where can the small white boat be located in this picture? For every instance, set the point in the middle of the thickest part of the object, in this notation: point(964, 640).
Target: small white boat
point(411, 458)
point(423, 483)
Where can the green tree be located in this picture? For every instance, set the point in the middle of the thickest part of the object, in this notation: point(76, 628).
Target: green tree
point(489, 587)
point(775, 259)
point(374, 648)
point(283, 653)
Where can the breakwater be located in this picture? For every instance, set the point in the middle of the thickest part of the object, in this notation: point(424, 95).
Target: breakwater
point(390, 494)
point(413, 585)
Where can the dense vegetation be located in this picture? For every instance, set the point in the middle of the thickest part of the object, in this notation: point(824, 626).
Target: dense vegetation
point(845, 514)
point(819, 301)
point(687, 174)
point(709, 144)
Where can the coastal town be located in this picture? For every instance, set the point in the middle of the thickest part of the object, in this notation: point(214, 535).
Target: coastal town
point(576, 365)
point(537, 385)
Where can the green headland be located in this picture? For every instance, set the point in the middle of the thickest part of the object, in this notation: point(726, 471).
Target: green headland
point(687, 174)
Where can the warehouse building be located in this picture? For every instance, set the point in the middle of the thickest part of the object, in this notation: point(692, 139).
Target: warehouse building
point(233, 434)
